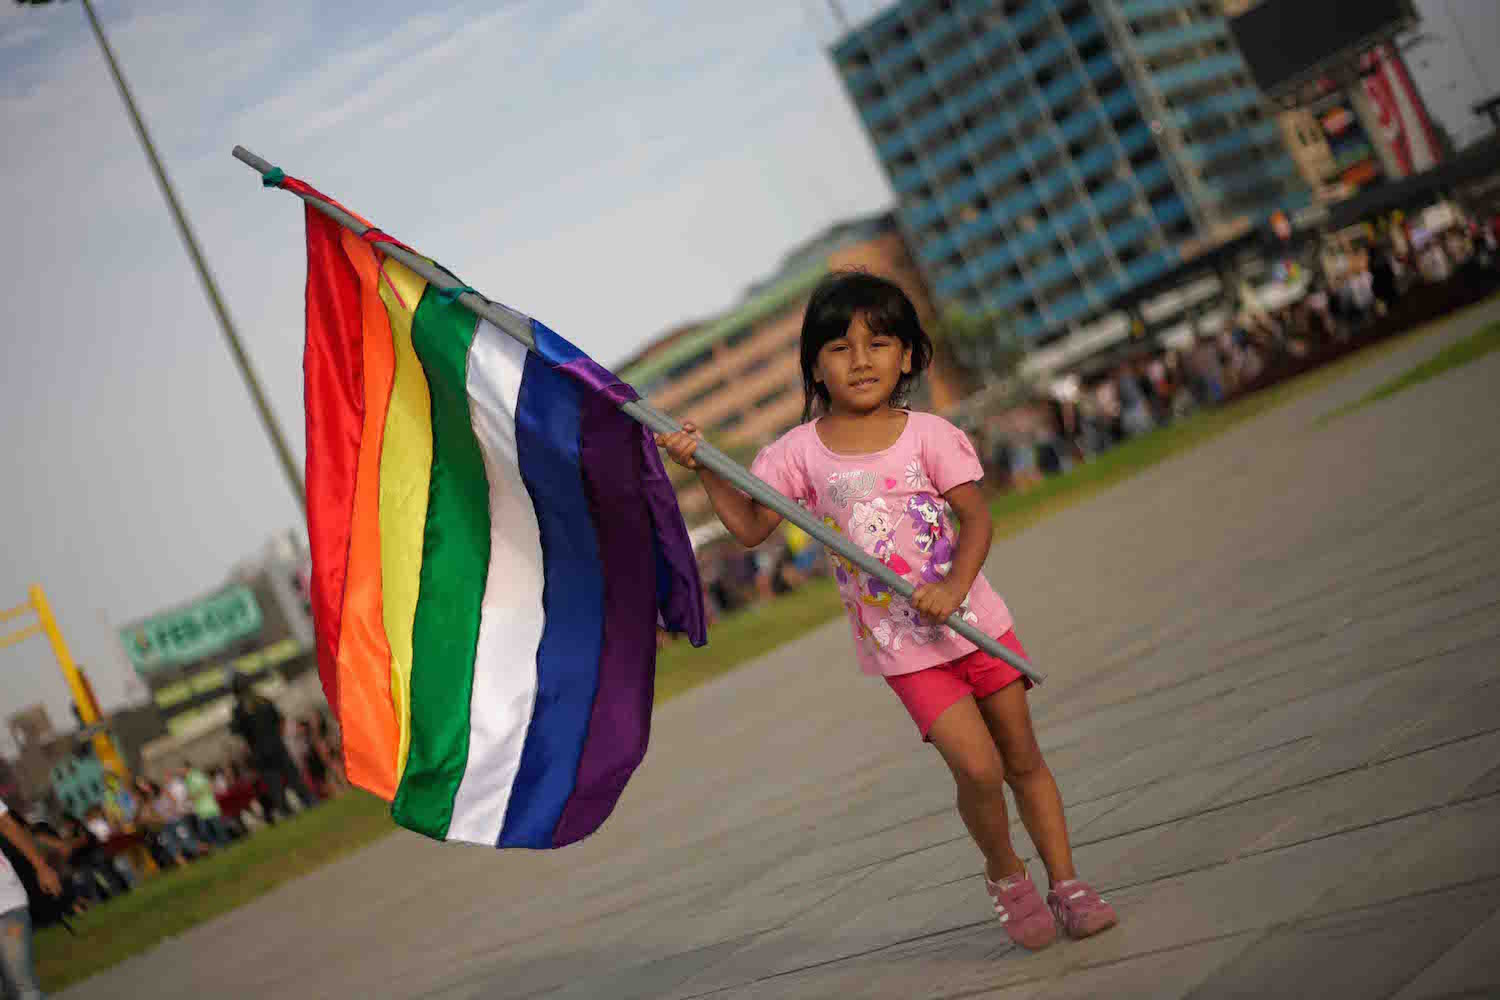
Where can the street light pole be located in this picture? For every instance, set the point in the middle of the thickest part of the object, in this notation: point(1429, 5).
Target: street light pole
point(257, 395)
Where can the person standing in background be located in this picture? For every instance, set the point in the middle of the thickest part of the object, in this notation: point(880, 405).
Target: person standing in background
point(205, 807)
point(314, 762)
point(258, 722)
point(17, 966)
point(328, 741)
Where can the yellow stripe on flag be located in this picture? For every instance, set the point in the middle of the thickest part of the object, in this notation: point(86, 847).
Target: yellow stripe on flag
point(405, 474)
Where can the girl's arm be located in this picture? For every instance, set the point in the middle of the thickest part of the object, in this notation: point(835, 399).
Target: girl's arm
point(747, 521)
point(939, 600)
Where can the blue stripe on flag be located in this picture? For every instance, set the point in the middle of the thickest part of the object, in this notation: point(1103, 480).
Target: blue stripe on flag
point(548, 417)
point(555, 347)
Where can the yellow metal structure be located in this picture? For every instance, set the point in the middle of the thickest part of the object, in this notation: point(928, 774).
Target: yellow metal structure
point(83, 695)
point(21, 636)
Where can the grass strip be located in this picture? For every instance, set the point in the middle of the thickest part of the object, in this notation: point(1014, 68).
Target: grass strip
point(1471, 348)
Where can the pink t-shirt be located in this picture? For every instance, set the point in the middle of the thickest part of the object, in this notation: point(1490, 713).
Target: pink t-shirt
point(891, 504)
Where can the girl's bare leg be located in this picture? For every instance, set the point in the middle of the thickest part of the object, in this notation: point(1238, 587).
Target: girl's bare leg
point(961, 736)
point(1040, 803)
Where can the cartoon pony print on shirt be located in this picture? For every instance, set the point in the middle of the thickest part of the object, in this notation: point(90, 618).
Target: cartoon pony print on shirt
point(926, 513)
point(936, 569)
point(931, 535)
point(876, 593)
point(872, 527)
point(903, 623)
point(843, 569)
point(856, 622)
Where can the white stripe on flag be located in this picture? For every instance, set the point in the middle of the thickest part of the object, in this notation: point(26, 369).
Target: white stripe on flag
point(511, 615)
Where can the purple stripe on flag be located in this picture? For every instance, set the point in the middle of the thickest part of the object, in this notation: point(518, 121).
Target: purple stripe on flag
point(620, 722)
point(683, 610)
point(600, 379)
point(563, 355)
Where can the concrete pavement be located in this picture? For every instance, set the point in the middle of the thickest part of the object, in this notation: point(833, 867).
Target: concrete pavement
point(1273, 708)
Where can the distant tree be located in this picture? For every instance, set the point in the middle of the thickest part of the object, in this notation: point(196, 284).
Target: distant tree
point(981, 345)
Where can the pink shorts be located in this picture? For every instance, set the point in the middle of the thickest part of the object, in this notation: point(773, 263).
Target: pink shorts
point(929, 693)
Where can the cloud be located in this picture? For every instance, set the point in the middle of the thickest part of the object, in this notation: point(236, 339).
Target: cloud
point(21, 33)
point(367, 77)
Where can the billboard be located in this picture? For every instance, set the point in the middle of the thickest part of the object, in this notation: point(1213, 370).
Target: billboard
point(1356, 163)
point(1289, 42)
point(1400, 118)
point(258, 625)
point(194, 632)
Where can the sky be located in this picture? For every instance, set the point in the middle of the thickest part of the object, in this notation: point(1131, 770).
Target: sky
point(612, 168)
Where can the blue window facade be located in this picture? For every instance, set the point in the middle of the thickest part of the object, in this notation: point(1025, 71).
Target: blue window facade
point(1049, 155)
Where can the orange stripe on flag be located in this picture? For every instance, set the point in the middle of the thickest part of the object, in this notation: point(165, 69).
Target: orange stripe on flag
point(367, 712)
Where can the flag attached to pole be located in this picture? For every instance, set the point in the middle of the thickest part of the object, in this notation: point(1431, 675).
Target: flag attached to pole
point(494, 544)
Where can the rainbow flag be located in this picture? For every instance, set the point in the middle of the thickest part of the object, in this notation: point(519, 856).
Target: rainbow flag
point(493, 543)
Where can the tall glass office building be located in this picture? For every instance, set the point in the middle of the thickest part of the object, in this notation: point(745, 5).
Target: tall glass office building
point(1049, 155)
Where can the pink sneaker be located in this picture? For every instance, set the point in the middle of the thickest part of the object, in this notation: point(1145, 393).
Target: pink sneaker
point(1021, 911)
point(1080, 910)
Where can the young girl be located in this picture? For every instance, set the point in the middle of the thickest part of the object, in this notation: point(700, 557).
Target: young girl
point(887, 477)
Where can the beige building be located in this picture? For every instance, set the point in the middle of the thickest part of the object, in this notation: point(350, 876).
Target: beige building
point(38, 749)
point(738, 376)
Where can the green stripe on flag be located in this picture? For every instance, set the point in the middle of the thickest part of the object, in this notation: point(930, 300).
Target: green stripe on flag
point(455, 560)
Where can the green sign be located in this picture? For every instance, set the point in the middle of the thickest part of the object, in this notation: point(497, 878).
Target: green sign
point(193, 633)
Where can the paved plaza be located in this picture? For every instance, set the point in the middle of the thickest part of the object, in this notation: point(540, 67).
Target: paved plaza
point(1273, 707)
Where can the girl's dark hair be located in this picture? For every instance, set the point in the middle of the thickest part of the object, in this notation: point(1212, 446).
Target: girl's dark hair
point(836, 300)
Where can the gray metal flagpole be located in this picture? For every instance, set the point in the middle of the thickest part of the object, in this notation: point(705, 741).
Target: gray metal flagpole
point(518, 325)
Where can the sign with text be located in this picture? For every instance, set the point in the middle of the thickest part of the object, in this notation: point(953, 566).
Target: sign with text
point(189, 634)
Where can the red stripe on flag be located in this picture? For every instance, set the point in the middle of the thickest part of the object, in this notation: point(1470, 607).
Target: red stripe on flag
point(371, 233)
point(302, 187)
point(333, 371)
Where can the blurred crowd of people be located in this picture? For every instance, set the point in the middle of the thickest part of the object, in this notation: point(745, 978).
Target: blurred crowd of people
point(191, 810)
point(1082, 416)
point(734, 577)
